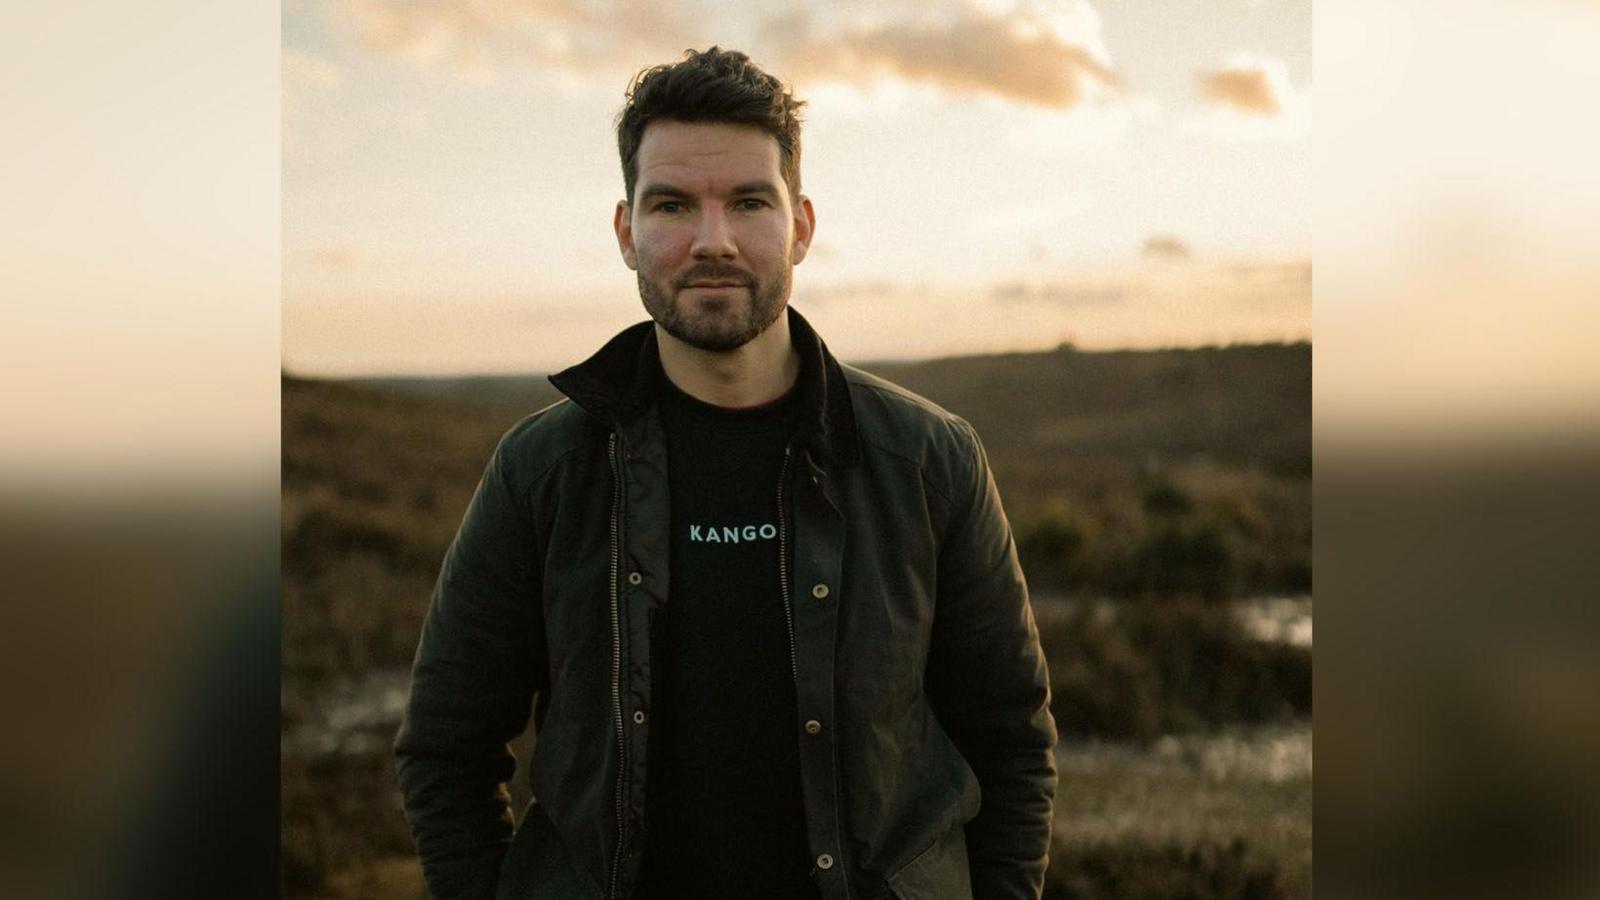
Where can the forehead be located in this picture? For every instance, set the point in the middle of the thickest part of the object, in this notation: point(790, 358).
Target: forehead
point(691, 155)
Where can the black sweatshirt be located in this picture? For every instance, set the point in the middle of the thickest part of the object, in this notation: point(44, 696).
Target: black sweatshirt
point(725, 815)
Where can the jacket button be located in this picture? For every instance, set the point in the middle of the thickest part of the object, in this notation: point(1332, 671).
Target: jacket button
point(813, 727)
point(635, 578)
point(638, 717)
point(820, 592)
point(824, 861)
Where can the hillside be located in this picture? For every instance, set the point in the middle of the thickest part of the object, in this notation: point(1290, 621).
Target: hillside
point(1082, 444)
point(1241, 406)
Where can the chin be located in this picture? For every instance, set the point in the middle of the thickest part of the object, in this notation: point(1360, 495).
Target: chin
point(719, 340)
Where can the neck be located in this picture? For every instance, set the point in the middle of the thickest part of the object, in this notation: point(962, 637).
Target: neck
point(759, 372)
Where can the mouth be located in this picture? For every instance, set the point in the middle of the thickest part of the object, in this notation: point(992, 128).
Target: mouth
point(715, 285)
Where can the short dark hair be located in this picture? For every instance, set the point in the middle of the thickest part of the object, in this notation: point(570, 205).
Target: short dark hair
point(712, 86)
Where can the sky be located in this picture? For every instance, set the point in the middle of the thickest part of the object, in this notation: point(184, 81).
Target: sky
point(988, 175)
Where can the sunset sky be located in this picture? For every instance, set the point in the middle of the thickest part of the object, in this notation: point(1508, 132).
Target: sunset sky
point(987, 175)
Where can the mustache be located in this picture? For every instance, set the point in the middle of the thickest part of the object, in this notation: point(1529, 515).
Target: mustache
point(714, 272)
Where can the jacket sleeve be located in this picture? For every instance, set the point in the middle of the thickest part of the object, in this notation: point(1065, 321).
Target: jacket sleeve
point(988, 682)
point(477, 667)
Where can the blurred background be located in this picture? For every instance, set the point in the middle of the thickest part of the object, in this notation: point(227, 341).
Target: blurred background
point(216, 233)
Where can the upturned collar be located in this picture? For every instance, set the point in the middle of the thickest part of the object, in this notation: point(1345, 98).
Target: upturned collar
point(623, 378)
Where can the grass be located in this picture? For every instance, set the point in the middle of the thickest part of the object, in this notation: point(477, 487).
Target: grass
point(1249, 790)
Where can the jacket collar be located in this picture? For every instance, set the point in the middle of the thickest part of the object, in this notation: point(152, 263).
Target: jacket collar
point(621, 380)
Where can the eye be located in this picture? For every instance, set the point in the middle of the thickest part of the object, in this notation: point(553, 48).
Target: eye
point(752, 204)
point(669, 206)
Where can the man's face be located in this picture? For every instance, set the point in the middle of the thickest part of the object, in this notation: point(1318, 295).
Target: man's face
point(712, 231)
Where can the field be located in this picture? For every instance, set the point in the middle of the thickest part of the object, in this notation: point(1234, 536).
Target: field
point(1152, 493)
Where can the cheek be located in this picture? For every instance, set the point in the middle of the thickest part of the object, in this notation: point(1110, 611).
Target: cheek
point(768, 246)
point(657, 249)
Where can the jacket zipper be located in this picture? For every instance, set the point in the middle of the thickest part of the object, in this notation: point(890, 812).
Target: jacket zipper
point(783, 566)
point(616, 662)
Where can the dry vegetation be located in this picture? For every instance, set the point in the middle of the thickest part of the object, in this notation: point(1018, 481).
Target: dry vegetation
point(1171, 479)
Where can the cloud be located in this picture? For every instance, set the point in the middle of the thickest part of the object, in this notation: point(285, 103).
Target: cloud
point(1165, 246)
point(420, 32)
point(472, 40)
point(1250, 98)
point(1250, 89)
point(1024, 55)
point(1044, 53)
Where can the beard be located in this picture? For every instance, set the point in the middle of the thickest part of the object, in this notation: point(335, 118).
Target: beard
point(718, 330)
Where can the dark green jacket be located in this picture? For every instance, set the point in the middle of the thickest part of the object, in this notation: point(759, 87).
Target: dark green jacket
point(924, 726)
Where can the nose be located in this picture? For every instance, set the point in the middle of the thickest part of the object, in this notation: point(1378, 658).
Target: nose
point(714, 238)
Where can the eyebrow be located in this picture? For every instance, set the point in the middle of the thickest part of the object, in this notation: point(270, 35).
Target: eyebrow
point(662, 190)
point(756, 187)
point(668, 191)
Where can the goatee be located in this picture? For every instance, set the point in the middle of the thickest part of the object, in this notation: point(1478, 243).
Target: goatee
point(713, 332)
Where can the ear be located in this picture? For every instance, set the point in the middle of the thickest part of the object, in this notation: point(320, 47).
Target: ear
point(622, 224)
point(805, 225)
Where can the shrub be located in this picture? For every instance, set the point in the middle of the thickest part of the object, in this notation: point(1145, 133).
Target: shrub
point(1140, 670)
point(338, 810)
point(1100, 684)
point(1136, 870)
point(1166, 500)
point(1052, 552)
point(1212, 672)
point(1174, 561)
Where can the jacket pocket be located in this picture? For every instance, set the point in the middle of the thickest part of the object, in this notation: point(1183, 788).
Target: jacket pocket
point(537, 864)
point(937, 873)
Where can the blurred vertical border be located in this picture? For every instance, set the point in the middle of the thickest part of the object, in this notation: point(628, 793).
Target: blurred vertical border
point(139, 450)
point(1458, 215)
point(1457, 449)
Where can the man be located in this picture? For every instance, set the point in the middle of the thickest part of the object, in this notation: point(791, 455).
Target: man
point(769, 604)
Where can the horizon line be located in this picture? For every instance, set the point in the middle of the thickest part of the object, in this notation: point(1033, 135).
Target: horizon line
point(286, 371)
